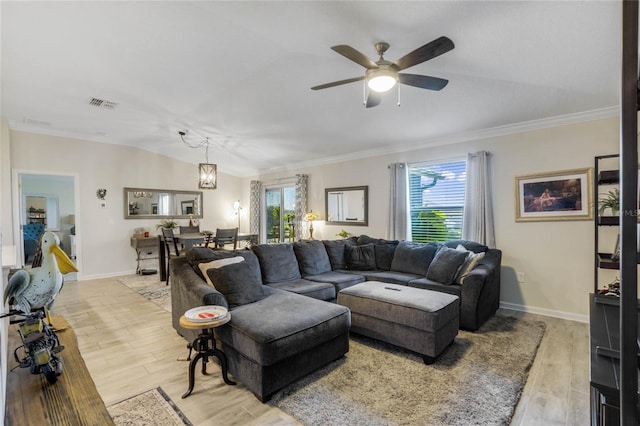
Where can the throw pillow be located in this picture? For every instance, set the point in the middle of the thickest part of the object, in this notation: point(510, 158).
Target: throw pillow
point(197, 255)
point(445, 265)
point(361, 258)
point(205, 266)
point(470, 262)
point(237, 283)
point(384, 254)
point(335, 250)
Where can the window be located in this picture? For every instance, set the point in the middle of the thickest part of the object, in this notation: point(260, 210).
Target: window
point(436, 193)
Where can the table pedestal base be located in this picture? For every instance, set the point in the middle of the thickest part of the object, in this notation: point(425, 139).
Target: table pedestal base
point(204, 351)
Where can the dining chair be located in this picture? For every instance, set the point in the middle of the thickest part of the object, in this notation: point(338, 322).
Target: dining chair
point(226, 236)
point(171, 246)
point(189, 229)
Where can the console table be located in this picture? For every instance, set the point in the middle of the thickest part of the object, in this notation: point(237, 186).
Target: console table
point(139, 245)
point(604, 340)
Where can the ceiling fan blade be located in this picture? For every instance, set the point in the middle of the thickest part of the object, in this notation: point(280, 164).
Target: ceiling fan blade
point(423, 81)
point(337, 83)
point(429, 51)
point(357, 57)
point(373, 99)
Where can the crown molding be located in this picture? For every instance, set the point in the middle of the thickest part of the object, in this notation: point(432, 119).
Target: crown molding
point(509, 129)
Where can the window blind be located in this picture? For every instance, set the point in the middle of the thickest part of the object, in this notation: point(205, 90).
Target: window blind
point(436, 191)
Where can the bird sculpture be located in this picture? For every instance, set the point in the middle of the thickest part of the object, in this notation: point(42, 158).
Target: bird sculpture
point(38, 287)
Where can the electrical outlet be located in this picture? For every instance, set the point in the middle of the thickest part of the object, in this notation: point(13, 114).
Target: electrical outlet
point(520, 277)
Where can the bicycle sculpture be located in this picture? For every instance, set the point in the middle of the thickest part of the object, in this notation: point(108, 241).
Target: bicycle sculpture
point(32, 294)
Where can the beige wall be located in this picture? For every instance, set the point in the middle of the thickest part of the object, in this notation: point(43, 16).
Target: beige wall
point(103, 233)
point(556, 257)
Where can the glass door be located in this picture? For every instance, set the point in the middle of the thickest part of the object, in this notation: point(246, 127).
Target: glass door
point(280, 214)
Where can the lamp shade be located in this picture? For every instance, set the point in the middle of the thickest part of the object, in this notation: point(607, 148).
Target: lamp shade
point(72, 219)
point(311, 216)
point(208, 176)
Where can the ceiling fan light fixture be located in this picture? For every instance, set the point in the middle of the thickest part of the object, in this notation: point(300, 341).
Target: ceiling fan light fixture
point(381, 80)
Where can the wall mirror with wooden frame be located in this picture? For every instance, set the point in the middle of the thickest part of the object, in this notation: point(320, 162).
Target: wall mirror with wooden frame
point(347, 206)
point(144, 203)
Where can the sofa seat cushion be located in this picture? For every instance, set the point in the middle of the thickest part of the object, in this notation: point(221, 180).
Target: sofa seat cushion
point(314, 289)
point(282, 325)
point(390, 276)
point(312, 257)
point(413, 258)
point(339, 280)
point(427, 284)
point(277, 262)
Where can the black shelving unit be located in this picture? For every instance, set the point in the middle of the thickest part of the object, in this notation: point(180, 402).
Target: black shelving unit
point(603, 260)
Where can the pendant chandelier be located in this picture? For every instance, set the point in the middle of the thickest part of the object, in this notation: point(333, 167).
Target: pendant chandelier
point(207, 172)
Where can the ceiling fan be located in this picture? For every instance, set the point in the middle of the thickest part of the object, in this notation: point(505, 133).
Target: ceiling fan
point(383, 75)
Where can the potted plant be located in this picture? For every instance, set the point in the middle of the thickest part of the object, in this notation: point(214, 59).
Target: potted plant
point(167, 223)
point(610, 200)
point(343, 234)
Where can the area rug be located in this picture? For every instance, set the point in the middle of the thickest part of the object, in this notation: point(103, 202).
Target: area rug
point(477, 380)
point(153, 407)
point(150, 287)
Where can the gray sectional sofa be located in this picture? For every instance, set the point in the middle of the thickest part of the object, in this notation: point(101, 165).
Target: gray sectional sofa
point(283, 325)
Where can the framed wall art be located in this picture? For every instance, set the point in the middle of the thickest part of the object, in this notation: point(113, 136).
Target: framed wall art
point(562, 195)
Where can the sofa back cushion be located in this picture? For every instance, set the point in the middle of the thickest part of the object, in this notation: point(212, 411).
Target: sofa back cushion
point(413, 258)
point(469, 245)
point(360, 258)
point(335, 251)
point(252, 260)
point(278, 262)
point(312, 257)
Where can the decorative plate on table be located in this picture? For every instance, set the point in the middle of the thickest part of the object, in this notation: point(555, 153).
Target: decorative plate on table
point(206, 313)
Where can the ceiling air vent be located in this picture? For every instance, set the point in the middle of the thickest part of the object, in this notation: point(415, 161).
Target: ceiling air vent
point(101, 103)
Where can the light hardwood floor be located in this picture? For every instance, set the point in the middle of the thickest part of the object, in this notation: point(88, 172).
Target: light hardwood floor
point(129, 346)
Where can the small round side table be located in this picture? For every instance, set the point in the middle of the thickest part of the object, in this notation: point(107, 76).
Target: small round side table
point(205, 346)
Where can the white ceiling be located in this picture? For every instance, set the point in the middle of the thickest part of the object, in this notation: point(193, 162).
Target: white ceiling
point(240, 73)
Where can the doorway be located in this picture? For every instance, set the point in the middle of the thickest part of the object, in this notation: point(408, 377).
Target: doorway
point(49, 199)
point(280, 214)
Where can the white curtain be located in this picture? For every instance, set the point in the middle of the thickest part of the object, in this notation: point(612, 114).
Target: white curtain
point(399, 228)
point(477, 222)
point(254, 207)
point(301, 204)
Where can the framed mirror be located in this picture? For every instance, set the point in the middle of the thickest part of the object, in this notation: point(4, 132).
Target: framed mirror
point(347, 206)
point(144, 203)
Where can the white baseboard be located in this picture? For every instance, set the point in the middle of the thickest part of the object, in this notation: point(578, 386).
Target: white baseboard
point(546, 312)
point(109, 275)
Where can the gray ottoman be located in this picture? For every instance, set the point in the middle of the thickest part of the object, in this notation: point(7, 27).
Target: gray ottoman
point(423, 321)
